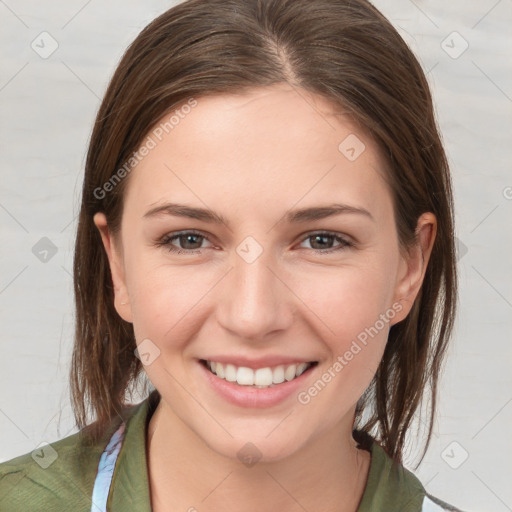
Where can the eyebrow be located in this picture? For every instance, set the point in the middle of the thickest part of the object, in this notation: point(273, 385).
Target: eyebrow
point(292, 217)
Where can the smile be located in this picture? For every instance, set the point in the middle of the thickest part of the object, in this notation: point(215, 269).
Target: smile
point(267, 377)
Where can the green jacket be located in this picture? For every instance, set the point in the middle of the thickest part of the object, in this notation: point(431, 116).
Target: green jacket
point(61, 476)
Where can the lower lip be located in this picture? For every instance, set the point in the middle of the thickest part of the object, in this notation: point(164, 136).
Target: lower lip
point(248, 396)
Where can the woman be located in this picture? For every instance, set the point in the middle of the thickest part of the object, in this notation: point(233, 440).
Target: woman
point(293, 145)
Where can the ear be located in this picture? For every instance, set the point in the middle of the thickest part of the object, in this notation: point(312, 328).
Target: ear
point(413, 265)
point(115, 259)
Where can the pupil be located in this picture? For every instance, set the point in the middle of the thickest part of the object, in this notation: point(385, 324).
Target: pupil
point(321, 237)
point(188, 238)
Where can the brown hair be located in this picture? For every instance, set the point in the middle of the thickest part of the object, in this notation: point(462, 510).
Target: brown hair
point(345, 51)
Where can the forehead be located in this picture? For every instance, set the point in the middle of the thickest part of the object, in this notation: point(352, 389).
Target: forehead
point(270, 147)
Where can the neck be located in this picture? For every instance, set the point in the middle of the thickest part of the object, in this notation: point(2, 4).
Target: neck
point(328, 474)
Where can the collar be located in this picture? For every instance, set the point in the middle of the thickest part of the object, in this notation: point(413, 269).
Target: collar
point(130, 481)
point(389, 486)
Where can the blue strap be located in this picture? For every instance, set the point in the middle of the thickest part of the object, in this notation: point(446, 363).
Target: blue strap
point(105, 472)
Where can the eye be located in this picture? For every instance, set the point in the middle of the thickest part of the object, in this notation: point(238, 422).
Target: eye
point(323, 242)
point(189, 241)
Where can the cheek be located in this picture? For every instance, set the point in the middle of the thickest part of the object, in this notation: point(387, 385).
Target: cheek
point(353, 318)
point(163, 300)
point(335, 303)
point(345, 300)
point(352, 315)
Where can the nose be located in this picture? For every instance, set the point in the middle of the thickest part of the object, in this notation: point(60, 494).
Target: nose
point(256, 301)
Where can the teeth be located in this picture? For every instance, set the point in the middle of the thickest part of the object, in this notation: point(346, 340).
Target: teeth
point(229, 372)
point(290, 372)
point(263, 377)
point(301, 368)
point(219, 370)
point(245, 376)
point(260, 378)
point(278, 374)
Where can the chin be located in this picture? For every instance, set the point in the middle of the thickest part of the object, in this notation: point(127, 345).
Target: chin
point(252, 449)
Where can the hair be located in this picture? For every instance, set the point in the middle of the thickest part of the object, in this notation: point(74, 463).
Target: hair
point(345, 51)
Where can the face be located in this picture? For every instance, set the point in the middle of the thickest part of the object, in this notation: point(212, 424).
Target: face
point(271, 276)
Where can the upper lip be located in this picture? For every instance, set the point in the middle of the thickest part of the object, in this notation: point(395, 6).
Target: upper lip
point(261, 362)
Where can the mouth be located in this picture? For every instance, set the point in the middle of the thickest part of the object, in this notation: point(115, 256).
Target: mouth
point(267, 377)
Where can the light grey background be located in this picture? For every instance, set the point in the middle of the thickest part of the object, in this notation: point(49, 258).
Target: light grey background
point(47, 107)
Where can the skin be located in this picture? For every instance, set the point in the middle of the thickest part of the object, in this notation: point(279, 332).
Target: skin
point(252, 158)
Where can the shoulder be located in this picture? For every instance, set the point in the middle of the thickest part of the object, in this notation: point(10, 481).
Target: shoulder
point(51, 475)
point(391, 486)
point(56, 476)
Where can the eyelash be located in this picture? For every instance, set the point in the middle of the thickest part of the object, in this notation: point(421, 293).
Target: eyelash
point(167, 239)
